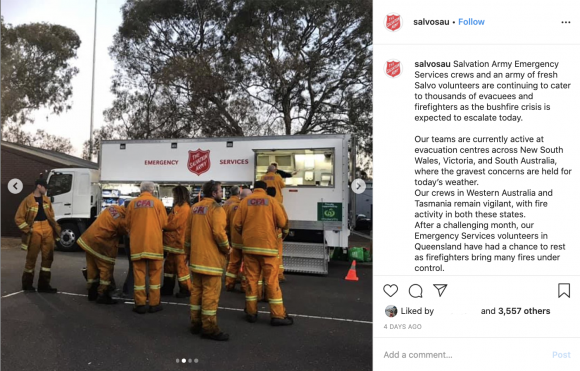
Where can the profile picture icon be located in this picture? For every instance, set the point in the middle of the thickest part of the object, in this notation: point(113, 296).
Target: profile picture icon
point(391, 311)
point(393, 68)
point(393, 22)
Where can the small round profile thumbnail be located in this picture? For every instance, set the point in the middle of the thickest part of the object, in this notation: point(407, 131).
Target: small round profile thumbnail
point(391, 311)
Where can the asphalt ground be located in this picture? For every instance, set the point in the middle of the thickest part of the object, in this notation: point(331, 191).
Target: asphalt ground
point(332, 325)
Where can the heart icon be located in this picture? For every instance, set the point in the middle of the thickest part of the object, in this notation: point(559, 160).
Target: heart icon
point(390, 289)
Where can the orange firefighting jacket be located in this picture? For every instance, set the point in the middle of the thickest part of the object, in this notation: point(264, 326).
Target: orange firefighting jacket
point(174, 232)
point(231, 206)
point(26, 214)
point(206, 239)
point(146, 218)
point(102, 238)
point(258, 219)
point(283, 232)
point(276, 181)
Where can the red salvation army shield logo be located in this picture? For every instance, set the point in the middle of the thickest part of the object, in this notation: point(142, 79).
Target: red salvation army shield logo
point(393, 68)
point(198, 162)
point(393, 22)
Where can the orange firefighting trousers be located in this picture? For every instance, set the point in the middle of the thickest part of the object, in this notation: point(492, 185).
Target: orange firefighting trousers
point(99, 271)
point(139, 271)
point(41, 240)
point(253, 264)
point(176, 267)
point(280, 260)
point(233, 268)
point(204, 301)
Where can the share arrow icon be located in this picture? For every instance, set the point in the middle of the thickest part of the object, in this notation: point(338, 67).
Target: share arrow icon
point(440, 288)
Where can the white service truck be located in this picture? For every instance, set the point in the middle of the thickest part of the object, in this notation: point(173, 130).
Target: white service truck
point(316, 197)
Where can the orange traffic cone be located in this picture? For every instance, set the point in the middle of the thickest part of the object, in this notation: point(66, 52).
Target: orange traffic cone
point(351, 276)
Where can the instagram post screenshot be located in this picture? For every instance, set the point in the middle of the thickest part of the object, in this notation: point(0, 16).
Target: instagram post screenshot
point(476, 111)
point(188, 185)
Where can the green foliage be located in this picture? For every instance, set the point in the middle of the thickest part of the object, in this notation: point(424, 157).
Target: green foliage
point(243, 67)
point(36, 70)
point(41, 139)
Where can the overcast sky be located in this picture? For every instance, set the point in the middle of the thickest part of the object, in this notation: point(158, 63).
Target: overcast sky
point(78, 15)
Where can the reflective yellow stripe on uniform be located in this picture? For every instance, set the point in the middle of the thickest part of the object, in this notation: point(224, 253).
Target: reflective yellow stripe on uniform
point(44, 269)
point(237, 245)
point(168, 275)
point(228, 274)
point(260, 282)
point(261, 251)
point(90, 280)
point(105, 283)
point(275, 301)
point(33, 209)
point(224, 243)
point(204, 269)
point(29, 270)
point(280, 235)
point(46, 206)
point(23, 247)
point(148, 255)
point(88, 249)
point(139, 288)
point(208, 312)
point(173, 250)
point(154, 287)
point(184, 278)
point(195, 307)
point(251, 298)
point(23, 225)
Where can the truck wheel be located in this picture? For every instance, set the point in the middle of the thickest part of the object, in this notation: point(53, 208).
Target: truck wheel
point(68, 237)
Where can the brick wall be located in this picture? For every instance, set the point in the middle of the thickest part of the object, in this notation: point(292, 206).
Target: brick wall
point(26, 168)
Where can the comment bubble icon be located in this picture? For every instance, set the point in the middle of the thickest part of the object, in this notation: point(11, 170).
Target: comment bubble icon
point(416, 291)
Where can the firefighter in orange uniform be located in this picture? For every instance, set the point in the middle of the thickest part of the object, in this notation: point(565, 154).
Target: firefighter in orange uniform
point(282, 233)
point(146, 218)
point(101, 243)
point(274, 180)
point(208, 243)
point(258, 219)
point(35, 218)
point(231, 206)
point(173, 241)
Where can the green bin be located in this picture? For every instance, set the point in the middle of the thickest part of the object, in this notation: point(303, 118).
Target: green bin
point(356, 253)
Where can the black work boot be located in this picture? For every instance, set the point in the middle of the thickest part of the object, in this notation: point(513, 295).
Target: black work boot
point(252, 318)
point(168, 285)
point(27, 279)
point(93, 293)
point(84, 271)
point(183, 293)
point(155, 309)
point(231, 288)
point(141, 309)
point(106, 299)
point(44, 283)
point(286, 321)
point(218, 337)
point(195, 328)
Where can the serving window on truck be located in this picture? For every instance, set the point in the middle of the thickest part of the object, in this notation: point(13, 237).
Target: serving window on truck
point(313, 167)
